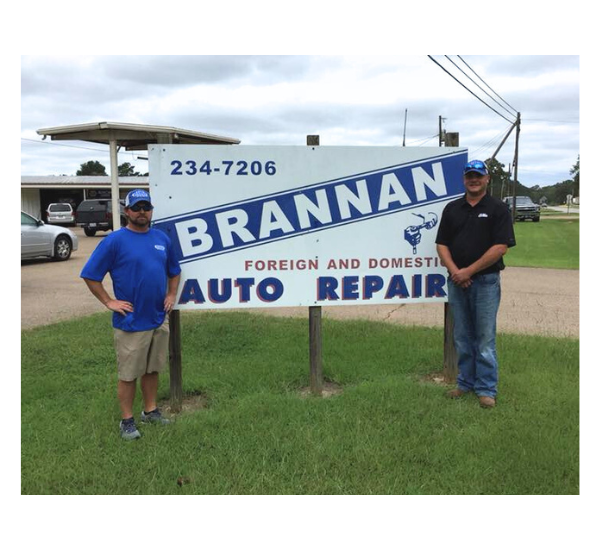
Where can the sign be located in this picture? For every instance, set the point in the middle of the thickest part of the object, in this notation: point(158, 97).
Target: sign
point(259, 226)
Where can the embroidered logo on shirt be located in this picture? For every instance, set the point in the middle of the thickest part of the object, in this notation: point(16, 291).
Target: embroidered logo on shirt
point(482, 215)
point(159, 247)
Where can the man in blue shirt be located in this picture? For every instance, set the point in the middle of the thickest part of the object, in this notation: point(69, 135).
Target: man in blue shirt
point(145, 276)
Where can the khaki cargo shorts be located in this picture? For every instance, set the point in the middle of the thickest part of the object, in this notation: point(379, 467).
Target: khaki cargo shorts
point(140, 353)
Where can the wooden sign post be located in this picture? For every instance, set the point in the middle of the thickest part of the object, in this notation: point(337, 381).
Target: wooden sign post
point(175, 371)
point(450, 358)
point(314, 328)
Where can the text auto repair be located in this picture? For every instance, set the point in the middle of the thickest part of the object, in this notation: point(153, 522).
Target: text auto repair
point(410, 189)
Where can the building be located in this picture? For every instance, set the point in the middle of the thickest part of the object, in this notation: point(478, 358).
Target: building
point(37, 192)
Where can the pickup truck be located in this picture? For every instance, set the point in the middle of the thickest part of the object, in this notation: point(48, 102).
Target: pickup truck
point(526, 208)
point(96, 215)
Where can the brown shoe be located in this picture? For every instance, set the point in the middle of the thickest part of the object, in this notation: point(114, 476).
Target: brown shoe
point(456, 393)
point(487, 402)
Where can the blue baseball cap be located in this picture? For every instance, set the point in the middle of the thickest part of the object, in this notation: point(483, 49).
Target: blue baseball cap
point(137, 195)
point(476, 166)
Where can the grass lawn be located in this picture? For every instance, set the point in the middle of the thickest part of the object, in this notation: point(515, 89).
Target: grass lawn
point(388, 432)
point(551, 243)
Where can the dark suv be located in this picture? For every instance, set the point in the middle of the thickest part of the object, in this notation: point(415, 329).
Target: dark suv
point(526, 208)
point(96, 215)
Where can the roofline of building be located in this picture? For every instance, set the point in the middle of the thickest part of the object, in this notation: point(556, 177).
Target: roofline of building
point(81, 182)
point(142, 134)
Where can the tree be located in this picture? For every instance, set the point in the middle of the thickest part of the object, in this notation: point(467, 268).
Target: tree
point(91, 168)
point(95, 168)
point(575, 173)
point(126, 170)
point(498, 178)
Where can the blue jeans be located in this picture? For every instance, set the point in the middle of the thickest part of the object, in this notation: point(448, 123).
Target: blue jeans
point(474, 310)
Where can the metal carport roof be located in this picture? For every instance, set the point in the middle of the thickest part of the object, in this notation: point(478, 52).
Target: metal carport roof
point(134, 137)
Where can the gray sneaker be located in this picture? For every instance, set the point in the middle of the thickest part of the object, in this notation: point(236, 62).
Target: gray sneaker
point(154, 417)
point(129, 431)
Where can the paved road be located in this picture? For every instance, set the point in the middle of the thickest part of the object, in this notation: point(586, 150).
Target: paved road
point(534, 301)
point(565, 209)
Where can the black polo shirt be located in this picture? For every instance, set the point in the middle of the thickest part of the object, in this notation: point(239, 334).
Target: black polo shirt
point(469, 231)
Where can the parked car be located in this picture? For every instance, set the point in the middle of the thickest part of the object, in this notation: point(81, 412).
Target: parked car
point(526, 208)
point(39, 239)
point(96, 215)
point(60, 213)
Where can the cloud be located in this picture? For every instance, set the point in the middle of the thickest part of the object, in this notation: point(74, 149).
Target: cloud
point(278, 100)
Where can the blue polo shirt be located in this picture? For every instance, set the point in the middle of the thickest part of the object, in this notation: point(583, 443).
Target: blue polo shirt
point(139, 265)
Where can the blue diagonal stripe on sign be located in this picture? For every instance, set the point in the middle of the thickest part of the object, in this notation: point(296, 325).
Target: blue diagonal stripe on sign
point(315, 207)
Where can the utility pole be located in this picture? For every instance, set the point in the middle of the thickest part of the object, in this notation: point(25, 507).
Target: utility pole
point(504, 140)
point(404, 134)
point(514, 197)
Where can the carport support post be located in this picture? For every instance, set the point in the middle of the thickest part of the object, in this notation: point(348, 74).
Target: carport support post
point(114, 184)
point(314, 328)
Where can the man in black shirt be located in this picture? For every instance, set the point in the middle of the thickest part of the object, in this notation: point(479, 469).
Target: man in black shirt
point(475, 232)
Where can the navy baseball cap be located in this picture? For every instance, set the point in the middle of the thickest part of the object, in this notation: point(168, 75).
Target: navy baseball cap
point(137, 195)
point(476, 166)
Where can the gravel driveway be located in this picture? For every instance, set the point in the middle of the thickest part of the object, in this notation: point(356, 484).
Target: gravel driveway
point(534, 301)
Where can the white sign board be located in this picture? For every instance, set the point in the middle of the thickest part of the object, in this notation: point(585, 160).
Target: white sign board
point(259, 226)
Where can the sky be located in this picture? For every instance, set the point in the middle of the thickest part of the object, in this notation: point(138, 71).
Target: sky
point(280, 99)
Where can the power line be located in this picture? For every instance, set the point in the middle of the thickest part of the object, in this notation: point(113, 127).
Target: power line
point(463, 72)
point(470, 91)
point(422, 141)
point(574, 121)
point(496, 94)
point(493, 141)
point(63, 145)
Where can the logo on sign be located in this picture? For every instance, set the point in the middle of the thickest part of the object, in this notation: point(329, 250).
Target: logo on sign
point(412, 234)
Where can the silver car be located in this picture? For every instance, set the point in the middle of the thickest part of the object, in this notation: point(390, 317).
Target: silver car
point(60, 212)
point(39, 239)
